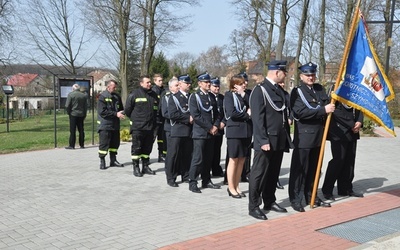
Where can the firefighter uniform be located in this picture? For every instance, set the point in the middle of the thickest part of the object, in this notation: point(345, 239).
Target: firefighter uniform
point(142, 109)
point(108, 105)
point(159, 132)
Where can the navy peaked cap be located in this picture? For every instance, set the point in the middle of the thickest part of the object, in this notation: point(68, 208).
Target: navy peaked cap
point(204, 77)
point(244, 75)
point(184, 78)
point(277, 65)
point(215, 81)
point(308, 69)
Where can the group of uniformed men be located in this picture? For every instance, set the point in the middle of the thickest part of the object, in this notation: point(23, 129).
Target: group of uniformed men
point(190, 126)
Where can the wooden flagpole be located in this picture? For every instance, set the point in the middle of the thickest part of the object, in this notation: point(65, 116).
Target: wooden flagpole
point(328, 119)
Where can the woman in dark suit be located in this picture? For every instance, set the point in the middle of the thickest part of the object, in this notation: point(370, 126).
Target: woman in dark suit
point(238, 132)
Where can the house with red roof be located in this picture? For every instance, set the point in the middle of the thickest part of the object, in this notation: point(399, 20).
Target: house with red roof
point(31, 91)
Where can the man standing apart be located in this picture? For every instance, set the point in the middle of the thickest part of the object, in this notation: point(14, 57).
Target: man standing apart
point(142, 108)
point(159, 132)
point(270, 138)
point(310, 106)
point(109, 113)
point(204, 111)
point(76, 106)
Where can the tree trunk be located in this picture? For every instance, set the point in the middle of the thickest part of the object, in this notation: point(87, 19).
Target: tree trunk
point(303, 21)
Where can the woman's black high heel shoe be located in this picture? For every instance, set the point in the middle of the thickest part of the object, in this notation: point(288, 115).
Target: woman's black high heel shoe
point(242, 194)
point(236, 196)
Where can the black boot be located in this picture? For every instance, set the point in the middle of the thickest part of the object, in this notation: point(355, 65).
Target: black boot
point(146, 169)
point(161, 157)
point(114, 162)
point(103, 163)
point(136, 169)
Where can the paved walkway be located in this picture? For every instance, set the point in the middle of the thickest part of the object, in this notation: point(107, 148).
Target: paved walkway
point(59, 199)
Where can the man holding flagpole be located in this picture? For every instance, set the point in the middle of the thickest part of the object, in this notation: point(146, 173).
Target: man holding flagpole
point(310, 106)
point(343, 134)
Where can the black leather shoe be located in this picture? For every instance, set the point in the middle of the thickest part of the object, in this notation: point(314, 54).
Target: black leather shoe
point(258, 214)
point(298, 207)
point(236, 196)
point(275, 207)
point(185, 180)
point(194, 188)
point(69, 147)
point(329, 197)
point(320, 203)
point(354, 194)
point(351, 193)
point(211, 185)
point(173, 184)
point(147, 170)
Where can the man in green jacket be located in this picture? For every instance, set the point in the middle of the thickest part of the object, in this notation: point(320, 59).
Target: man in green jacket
point(76, 107)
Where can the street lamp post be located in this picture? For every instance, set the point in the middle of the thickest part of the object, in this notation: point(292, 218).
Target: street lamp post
point(8, 90)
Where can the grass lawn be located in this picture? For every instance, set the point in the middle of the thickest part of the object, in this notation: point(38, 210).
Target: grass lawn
point(37, 133)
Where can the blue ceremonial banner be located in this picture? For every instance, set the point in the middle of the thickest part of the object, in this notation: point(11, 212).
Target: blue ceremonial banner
point(365, 85)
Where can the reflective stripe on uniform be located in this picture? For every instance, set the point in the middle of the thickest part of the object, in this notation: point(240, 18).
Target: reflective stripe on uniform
point(145, 156)
point(103, 152)
point(114, 150)
point(135, 157)
point(141, 100)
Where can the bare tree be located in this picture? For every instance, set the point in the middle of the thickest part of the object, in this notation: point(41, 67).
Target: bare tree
point(55, 33)
point(6, 9)
point(214, 61)
point(241, 48)
point(183, 60)
point(111, 19)
point(155, 22)
point(322, 63)
point(302, 25)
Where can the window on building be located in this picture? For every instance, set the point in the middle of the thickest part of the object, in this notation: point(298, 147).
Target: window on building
point(39, 104)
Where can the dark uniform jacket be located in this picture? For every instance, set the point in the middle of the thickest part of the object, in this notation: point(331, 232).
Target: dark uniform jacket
point(220, 107)
point(160, 91)
point(342, 121)
point(204, 111)
point(142, 107)
point(309, 118)
point(178, 110)
point(165, 99)
point(108, 105)
point(238, 122)
point(269, 126)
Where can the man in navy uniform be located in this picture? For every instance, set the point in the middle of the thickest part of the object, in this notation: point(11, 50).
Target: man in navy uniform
point(216, 168)
point(173, 86)
point(205, 114)
point(310, 106)
point(270, 139)
point(180, 144)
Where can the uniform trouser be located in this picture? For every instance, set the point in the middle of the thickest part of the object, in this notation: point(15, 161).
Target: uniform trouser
point(142, 144)
point(76, 122)
point(109, 140)
point(302, 173)
point(247, 164)
point(215, 164)
point(159, 134)
point(341, 167)
point(263, 177)
point(201, 160)
point(178, 157)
